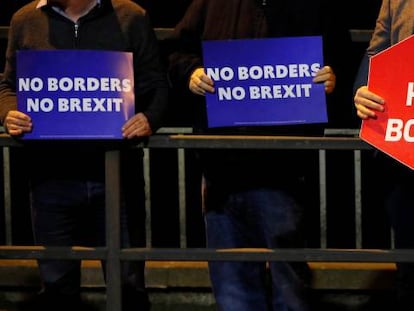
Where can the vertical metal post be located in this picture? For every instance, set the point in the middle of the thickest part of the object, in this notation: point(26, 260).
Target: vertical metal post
point(181, 197)
point(7, 196)
point(322, 198)
point(113, 231)
point(147, 180)
point(358, 199)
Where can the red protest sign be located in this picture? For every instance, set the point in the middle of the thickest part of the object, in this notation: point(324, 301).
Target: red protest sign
point(391, 76)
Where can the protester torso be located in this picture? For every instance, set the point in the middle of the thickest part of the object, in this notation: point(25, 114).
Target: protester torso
point(110, 26)
point(241, 19)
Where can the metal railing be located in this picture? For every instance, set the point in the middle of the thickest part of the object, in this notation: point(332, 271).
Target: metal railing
point(182, 140)
point(114, 255)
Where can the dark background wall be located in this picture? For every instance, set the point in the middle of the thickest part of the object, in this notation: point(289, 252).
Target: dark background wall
point(360, 14)
point(165, 13)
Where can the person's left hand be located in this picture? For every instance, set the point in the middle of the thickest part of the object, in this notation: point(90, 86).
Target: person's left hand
point(368, 103)
point(200, 82)
point(137, 126)
point(326, 76)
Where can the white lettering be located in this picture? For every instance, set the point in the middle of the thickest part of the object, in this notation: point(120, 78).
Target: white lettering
point(36, 105)
point(410, 94)
point(228, 93)
point(27, 84)
point(217, 74)
point(89, 104)
point(396, 129)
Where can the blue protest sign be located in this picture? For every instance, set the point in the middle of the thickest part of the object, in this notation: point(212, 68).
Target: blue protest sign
point(75, 94)
point(264, 81)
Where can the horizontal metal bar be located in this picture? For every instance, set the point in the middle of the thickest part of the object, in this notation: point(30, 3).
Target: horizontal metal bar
point(357, 35)
point(8, 141)
point(4, 32)
point(161, 33)
point(293, 255)
point(175, 130)
point(203, 254)
point(361, 35)
point(40, 252)
point(254, 142)
point(341, 132)
point(216, 142)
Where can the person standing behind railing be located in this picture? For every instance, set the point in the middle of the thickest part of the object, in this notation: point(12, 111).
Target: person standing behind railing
point(253, 198)
point(68, 181)
point(394, 23)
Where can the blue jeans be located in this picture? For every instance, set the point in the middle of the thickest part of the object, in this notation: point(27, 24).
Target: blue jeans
point(259, 218)
point(393, 183)
point(72, 213)
point(400, 205)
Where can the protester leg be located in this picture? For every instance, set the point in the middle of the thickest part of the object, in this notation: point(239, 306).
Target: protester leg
point(55, 207)
point(400, 205)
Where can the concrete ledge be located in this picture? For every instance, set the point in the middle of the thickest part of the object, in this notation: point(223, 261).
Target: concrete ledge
point(352, 275)
point(162, 274)
point(194, 274)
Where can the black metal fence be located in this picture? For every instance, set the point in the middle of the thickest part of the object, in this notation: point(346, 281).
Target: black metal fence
point(114, 255)
point(341, 189)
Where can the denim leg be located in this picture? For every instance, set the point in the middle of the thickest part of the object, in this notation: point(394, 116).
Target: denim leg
point(256, 218)
point(288, 287)
point(400, 205)
point(134, 293)
point(68, 213)
point(281, 218)
point(237, 286)
point(56, 210)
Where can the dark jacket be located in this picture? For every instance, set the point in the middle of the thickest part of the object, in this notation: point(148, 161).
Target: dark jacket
point(118, 25)
point(236, 19)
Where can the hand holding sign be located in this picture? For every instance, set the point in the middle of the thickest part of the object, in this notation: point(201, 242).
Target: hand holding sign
point(17, 123)
point(200, 82)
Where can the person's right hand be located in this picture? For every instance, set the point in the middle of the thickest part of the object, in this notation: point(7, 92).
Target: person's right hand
point(368, 103)
point(16, 123)
point(200, 83)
